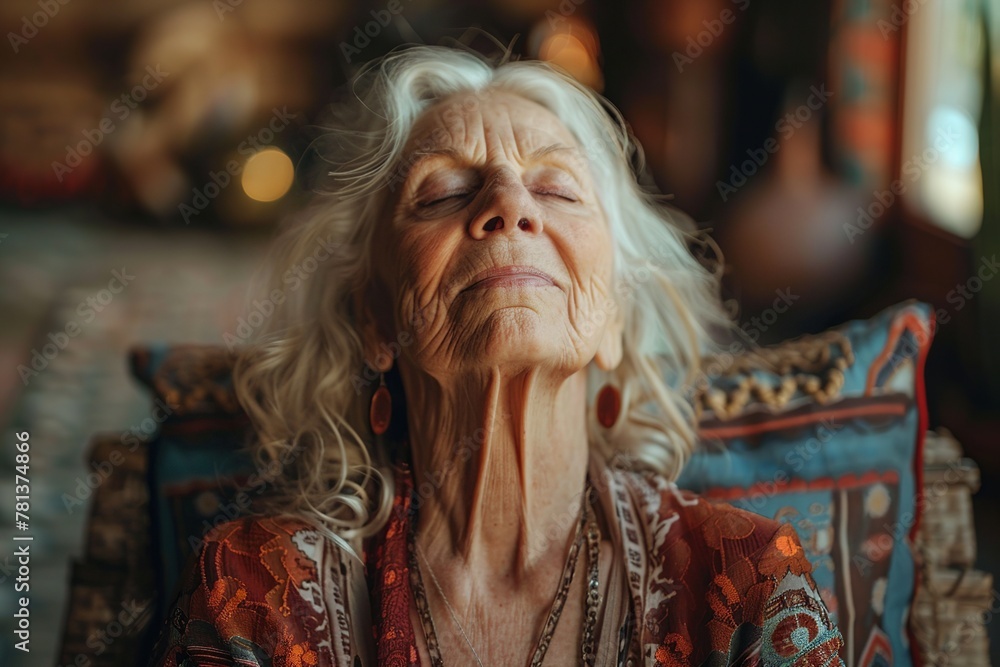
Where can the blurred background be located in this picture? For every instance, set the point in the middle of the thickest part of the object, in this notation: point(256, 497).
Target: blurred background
point(843, 152)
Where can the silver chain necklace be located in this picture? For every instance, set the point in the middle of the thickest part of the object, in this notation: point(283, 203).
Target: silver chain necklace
point(454, 617)
point(593, 597)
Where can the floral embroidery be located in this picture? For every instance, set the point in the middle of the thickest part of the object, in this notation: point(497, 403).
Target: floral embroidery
point(242, 598)
point(785, 554)
point(710, 584)
point(674, 651)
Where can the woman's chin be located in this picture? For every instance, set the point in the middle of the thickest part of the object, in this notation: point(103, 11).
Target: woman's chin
point(513, 345)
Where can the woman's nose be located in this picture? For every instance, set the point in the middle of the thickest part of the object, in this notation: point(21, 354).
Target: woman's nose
point(508, 208)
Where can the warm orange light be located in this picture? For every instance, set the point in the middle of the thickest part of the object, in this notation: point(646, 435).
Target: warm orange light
point(268, 175)
point(572, 47)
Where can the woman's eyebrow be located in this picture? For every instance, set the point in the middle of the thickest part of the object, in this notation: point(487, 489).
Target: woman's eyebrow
point(551, 148)
point(574, 152)
point(443, 150)
point(410, 164)
point(419, 155)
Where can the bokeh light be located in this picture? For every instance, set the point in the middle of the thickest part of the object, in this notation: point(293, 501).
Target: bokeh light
point(268, 175)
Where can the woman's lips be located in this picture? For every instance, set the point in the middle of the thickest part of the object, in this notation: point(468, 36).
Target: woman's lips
point(511, 276)
point(511, 281)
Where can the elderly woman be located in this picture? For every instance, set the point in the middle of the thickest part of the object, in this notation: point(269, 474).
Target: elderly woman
point(478, 388)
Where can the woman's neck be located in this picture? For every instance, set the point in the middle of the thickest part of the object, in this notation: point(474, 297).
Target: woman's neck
point(499, 463)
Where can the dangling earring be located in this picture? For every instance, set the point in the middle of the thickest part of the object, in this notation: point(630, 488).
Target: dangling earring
point(380, 411)
point(609, 405)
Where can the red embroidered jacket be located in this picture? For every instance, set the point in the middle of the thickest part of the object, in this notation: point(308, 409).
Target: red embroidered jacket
point(710, 583)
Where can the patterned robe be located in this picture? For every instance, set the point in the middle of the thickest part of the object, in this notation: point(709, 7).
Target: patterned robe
point(710, 583)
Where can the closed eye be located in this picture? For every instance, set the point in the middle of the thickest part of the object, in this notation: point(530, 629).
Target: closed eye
point(561, 194)
point(441, 200)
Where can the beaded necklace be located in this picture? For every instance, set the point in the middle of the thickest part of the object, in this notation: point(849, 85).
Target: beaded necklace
point(586, 526)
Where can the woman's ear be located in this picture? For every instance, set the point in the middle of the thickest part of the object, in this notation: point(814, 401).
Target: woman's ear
point(609, 350)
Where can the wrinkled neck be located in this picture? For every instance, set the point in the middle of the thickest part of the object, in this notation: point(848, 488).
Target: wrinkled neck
point(499, 467)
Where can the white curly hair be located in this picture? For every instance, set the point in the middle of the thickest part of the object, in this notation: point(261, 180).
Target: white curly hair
point(304, 381)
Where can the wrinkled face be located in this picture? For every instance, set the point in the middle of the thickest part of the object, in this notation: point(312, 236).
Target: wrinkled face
point(495, 243)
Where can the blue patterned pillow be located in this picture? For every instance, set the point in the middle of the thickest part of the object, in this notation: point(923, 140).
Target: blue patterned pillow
point(825, 433)
point(200, 472)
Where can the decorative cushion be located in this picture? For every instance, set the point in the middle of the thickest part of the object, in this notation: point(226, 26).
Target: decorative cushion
point(825, 433)
point(199, 468)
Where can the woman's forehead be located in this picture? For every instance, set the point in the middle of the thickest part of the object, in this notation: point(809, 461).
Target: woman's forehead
point(482, 122)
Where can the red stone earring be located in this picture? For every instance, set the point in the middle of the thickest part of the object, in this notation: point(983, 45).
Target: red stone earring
point(609, 405)
point(380, 411)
